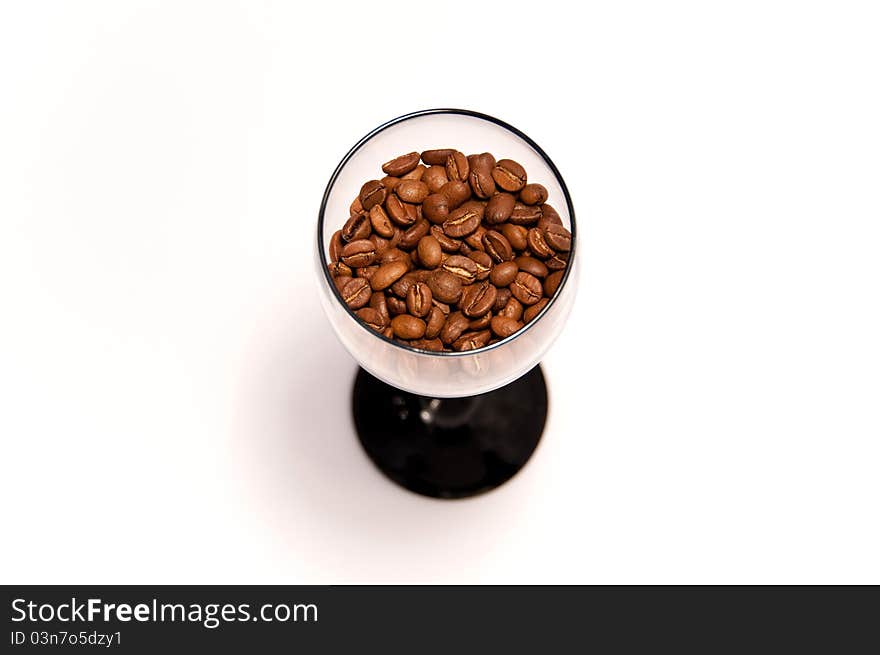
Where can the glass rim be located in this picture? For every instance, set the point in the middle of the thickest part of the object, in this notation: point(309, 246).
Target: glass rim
point(322, 254)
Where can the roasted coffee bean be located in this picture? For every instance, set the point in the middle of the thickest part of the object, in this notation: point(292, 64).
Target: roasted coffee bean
point(474, 240)
point(457, 192)
point(557, 262)
point(366, 272)
point(401, 287)
point(356, 207)
point(497, 246)
point(388, 274)
point(372, 193)
point(501, 299)
point(448, 244)
point(499, 208)
point(411, 237)
point(485, 161)
point(558, 238)
point(382, 225)
point(532, 266)
point(445, 286)
point(503, 274)
point(509, 175)
point(397, 211)
point(433, 345)
point(408, 327)
point(377, 302)
point(477, 299)
point(504, 326)
point(457, 167)
point(512, 309)
point(517, 235)
point(455, 325)
point(412, 191)
point(472, 340)
point(481, 323)
point(530, 313)
point(372, 318)
point(388, 333)
point(462, 267)
point(533, 194)
point(395, 255)
point(483, 262)
point(418, 300)
point(537, 244)
point(551, 284)
point(413, 212)
point(415, 174)
point(389, 183)
point(340, 281)
point(524, 214)
point(549, 216)
point(526, 288)
point(434, 323)
point(442, 306)
point(461, 222)
point(436, 157)
point(435, 177)
point(436, 208)
point(359, 253)
point(401, 165)
point(430, 252)
point(336, 245)
point(338, 269)
point(396, 306)
point(356, 292)
point(482, 183)
point(356, 227)
point(381, 244)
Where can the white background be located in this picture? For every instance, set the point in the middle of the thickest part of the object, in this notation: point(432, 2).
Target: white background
point(174, 408)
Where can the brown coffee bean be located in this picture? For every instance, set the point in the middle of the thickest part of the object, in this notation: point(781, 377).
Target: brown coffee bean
point(457, 167)
point(366, 272)
point(408, 327)
point(499, 208)
point(396, 306)
point(465, 249)
point(472, 340)
point(435, 177)
point(477, 299)
point(481, 323)
point(436, 157)
point(462, 267)
point(372, 193)
point(380, 243)
point(418, 300)
point(503, 274)
point(415, 174)
point(356, 207)
point(509, 175)
point(504, 326)
point(359, 253)
point(551, 284)
point(532, 266)
point(395, 255)
point(537, 244)
point(512, 309)
point(445, 286)
point(397, 211)
point(517, 235)
point(557, 262)
point(524, 215)
point(381, 223)
point(533, 194)
point(338, 269)
point(430, 252)
point(389, 182)
point(372, 318)
point(474, 240)
point(457, 192)
point(526, 288)
point(558, 238)
point(356, 292)
point(340, 281)
point(336, 245)
point(484, 161)
point(501, 299)
point(377, 302)
point(402, 286)
point(401, 165)
point(356, 227)
point(388, 274)
point(435, 322)
point(388, 333)
point(413, 212)
point(455, 325)
point(442, 306)
point(483, 262)
point(448, 244)
point(436, 208)
point(461, 222)
point(412, 191)
point(530, 313)
point(549, 216)
point(433, 345)
point(497, 246)
point(482, 183)
point(413, 235)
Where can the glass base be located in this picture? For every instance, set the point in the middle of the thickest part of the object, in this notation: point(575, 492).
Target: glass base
point(450, 447)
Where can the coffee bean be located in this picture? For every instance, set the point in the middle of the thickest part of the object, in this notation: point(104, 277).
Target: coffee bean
point(418, 300)
point(512, 309)
point(499, 208)
point(517, 235)
point(356, 227)
point(359, 253)
point(537, 244)
point(415, 174)
point(457, 167)
point(478, 299)
point(380, 243)
point(397, 211)
point(413, 212)
point(336, 245)
point(388, 274)
point(524, 215)
point(549, 216)
point(356, 207)
point(395, 255)
point(472, 340)
point(461, 222)
point(396, 306)
point(389, 182)
point(462, 267)
point(381, 223)
point(372, 193)
point(356, 292)
point(503, 274)
point(485, 161)
point(436, 208)
point(501, 299)
point(445, 286)
point(408, 327)
point(474, 240)
point(457, 192)
point(435, 177)
point(366, 272)
point(435, 322)
point(401, 165)
point(480, 323)
point(442, 306)
point(533, 194)
point(558, 238)
point(436, 157)
point(448, 244)
point(412, 191)
point(483, 262)
point(338, 269)
point(504, 326)
point(455, 325)
point(557, 262)
point(551, 284)
point(430, 252)
point(372, 318)
point(497, 246)
point(388, 333)
point(433, 345)
point(402, 286)
point(411, 237)
point(526, 288)
point(532, 266)
point(482, 183)
point(377, 302)
point(530, 313)
point(340, 281)
point(509, 175)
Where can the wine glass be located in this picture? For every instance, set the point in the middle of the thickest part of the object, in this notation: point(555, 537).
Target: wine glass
point(447, 424)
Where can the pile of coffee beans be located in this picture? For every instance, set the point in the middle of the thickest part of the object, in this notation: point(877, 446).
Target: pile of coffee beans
point(449, 252)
